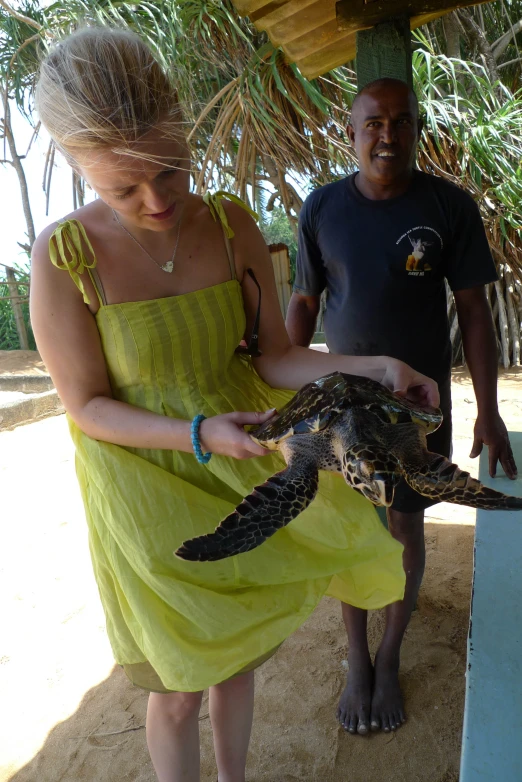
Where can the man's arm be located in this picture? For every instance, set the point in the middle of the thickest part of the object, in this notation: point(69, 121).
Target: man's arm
point(301, 318)
point(480, 349)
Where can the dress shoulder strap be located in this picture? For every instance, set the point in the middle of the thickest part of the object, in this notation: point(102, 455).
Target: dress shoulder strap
point(71, 250)
point(213, 201)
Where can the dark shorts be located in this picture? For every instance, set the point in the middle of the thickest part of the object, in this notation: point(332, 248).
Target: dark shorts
point(406, 499)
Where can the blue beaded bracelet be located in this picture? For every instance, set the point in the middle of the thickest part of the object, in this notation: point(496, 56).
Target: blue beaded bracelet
point(194, 436)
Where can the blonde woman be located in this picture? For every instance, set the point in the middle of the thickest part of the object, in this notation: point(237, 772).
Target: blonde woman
point(139, 301)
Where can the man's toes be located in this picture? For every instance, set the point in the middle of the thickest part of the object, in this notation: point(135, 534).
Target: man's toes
point(350, 724)
point(385, 723)
point(394, 722)
point(354, 724)
point(362, 728)
point(375, 724)
point(397, 719)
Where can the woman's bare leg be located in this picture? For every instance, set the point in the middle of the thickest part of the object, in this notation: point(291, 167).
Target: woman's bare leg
point(231, 708)
point(173, 735)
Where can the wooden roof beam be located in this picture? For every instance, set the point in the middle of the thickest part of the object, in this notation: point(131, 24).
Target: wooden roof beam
point(319, 35)
point(361, 14)
point(294, 18)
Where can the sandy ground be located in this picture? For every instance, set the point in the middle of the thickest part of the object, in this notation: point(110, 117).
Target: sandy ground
point(69, 715)
point(21, 362)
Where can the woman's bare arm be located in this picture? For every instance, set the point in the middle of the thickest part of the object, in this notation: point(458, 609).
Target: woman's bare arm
point(283, 365)
point(69, 344)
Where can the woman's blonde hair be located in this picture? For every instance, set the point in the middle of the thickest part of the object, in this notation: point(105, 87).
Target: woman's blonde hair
point(102, 87)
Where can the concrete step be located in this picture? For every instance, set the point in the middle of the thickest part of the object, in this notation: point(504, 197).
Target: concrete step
point(26, 389)
point(27, 384)
point(28, 394)
point(18, 408)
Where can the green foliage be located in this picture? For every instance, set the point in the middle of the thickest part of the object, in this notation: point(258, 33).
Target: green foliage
point(278, 230)
point(252, 118)
point(21, 47)
point(497, 21)
point(473, 136)
point(8, 334)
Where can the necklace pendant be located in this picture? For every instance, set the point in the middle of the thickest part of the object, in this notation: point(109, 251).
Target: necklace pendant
point(168, 267)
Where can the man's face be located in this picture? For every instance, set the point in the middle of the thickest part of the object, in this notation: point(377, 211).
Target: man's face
point(384, 130)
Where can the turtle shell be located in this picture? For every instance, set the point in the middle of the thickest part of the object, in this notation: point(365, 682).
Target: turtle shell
point(319, 403)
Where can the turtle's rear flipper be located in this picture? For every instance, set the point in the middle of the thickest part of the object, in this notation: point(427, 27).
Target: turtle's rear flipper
point(440, 479)
point(271, 505)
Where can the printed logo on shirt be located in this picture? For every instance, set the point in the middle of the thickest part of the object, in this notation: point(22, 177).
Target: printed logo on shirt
point(418, 254)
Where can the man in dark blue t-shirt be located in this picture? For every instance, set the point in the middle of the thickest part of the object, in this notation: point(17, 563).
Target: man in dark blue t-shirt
point(381, 243)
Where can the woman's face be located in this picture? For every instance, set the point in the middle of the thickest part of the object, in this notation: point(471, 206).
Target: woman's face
point(150, 195)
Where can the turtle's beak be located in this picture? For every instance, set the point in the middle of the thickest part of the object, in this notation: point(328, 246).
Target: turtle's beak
point(377, 485)
point(378, 491)
point(385, 490)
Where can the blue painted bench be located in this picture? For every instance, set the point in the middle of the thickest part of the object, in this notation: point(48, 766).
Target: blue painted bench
point(491, 751)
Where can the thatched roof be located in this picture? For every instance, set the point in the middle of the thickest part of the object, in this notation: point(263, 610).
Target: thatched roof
point(319, 35)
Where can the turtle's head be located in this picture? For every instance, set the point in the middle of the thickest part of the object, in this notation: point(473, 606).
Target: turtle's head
point(374, 475)
point(378, 487)
point(380, 490)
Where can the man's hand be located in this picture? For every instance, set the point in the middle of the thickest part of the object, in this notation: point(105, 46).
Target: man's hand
point(491, 431)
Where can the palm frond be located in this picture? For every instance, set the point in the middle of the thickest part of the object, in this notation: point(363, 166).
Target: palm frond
point(473, 137)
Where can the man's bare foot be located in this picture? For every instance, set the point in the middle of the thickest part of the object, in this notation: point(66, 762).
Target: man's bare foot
point(354, 707)
point(387, 710)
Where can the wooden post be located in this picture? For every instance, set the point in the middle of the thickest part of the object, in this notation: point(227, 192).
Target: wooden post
point(385, 51)
point(14, 295)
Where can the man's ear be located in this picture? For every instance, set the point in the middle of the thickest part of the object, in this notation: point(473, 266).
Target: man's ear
point(420, 126)
point(350, 132)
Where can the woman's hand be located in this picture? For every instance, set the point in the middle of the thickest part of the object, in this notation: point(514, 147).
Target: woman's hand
point(405, 381)
point(225, 435)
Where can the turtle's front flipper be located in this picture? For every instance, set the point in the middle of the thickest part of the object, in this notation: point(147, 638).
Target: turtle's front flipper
point(270, 506)
point(440, 479)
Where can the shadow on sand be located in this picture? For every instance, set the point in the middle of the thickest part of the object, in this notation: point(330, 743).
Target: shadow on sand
point(295, 736)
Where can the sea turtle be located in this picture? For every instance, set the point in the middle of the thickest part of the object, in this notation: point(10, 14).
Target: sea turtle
point(350, 425)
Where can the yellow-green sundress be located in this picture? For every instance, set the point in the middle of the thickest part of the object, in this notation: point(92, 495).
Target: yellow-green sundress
point(176, 625)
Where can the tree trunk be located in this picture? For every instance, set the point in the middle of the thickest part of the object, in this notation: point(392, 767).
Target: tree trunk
point(500, 45)
point(514, 324)
point(19, 16)
point(477, 37)
point(503, 325)
point(451, 27)
point(14, 295)
point(16, 162)
point(77, 190)
point(285, 191)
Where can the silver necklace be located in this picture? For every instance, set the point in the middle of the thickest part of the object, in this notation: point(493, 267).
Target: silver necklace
point(168, 266)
